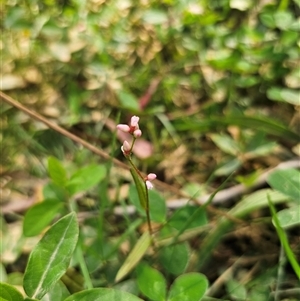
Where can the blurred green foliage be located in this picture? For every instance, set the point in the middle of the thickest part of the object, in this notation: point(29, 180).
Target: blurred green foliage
point(79, 62)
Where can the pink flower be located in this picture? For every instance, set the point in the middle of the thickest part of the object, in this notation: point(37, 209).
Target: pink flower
point(126, 149)
point(133, 128)
point(150, 177)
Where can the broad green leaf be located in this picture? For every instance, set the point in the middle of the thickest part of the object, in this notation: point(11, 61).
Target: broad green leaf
point(227, 168)
point(286, 181)
point(103, 294)
point(134, 256)
point(151, 283)
point(85, 178)
point(128, 100)
point(188, 287)
point(226, 144)
point(289, 217)
point(157, 207)
point(9, 293)
point(129, 286)
point(50, 258)
point(256, 201)
point(283, 19)
point(57, 172)
point(285, 95)
point(180, 217)
point(39, 216)
point(175, 258)
point(236, 290)
point(268, 19)
point(53, 191)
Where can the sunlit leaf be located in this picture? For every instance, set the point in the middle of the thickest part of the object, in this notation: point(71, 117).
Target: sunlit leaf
point(40, 215)
point(287, 182)
point(157, 207)
point(289, 217)
point(175, 258)
point(85, 178)
point(9, 293)
point(151, 282)
point(57, 172)
point(50, 258)
point(188, 287)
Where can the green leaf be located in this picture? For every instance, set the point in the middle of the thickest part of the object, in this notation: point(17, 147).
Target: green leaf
point(285, 95)
point(188, 287)
point(39, 216)
point(103, 294)
point(134, 256)
point(57, 172)
point(53, 191)
point(157, 207)
point(58, 292)
point(151, 282)
point(256, 201)
point(9, 293)
point(175, 258)
point(226, 144)
point(228, 167)
point(236, 290)
point(289, 217)
point(128, 100)
point(180, 217)
point(287, 182)
point(283, 19)
point(50, 258)
point(284, 240)
point(85, 178)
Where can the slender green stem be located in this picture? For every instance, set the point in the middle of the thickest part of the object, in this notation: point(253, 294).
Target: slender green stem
point(83, 267)
point(79, 255)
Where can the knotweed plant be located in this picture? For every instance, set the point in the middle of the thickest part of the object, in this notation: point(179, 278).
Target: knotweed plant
point(142, 183)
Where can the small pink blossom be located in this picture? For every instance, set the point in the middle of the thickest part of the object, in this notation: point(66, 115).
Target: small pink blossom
point(149, 185)
point(126, 148)
point(150, 177)
point(123, 127)
point(133, 128)
point(137, 133)
point(134, 122)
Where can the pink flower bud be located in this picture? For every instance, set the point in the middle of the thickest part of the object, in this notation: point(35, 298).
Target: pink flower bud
point(134, 121)
point(123, 127)
point(126, 148)
point(137, 133)
point(149, 185)
point(151, 176)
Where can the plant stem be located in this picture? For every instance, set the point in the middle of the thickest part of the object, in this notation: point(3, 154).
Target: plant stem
point(83, 267)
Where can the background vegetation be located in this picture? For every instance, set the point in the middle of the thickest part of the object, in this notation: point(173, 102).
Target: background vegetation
point(216, 86)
